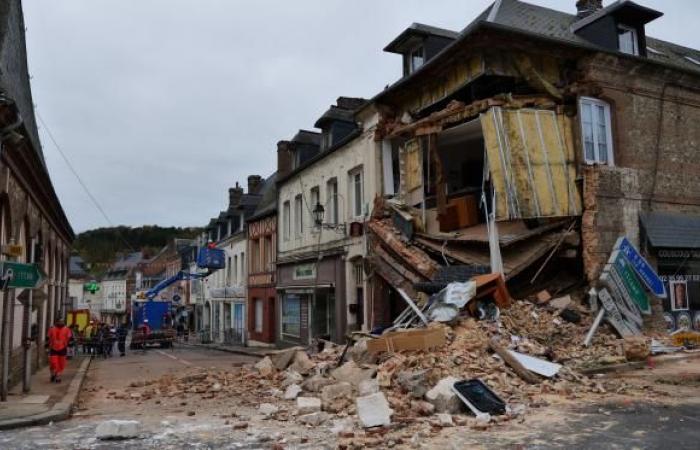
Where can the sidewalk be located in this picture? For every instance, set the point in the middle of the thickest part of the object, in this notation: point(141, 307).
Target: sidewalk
point(259, 352)
point(47, 401)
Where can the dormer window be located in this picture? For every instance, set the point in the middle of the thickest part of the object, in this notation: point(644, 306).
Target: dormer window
point(417, 59)
point(627, 40)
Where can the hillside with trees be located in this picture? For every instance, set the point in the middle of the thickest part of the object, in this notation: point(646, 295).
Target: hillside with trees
point(100, 247)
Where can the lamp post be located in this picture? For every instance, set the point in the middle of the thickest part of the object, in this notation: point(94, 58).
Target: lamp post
point(318, 212)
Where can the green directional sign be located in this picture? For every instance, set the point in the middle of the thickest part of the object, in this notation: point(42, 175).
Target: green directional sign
point(633, 286)
point(22, 275)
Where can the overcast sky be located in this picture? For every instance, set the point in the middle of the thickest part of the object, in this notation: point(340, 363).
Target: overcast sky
point(162, 105)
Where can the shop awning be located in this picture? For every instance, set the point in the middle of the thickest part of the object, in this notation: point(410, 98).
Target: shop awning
point(531, 163)
point(671, 230)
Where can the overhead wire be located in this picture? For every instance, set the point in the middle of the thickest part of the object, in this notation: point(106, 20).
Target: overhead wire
point(81, 182)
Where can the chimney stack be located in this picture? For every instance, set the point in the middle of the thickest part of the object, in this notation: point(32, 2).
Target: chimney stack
point(585, 8)
point(285, 158)
point(254, 184)
point(234, 196)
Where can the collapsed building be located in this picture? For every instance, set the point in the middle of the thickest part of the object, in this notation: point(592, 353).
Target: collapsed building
point(530, 137)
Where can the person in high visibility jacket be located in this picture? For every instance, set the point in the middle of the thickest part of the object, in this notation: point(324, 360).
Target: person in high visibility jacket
point(58, 336)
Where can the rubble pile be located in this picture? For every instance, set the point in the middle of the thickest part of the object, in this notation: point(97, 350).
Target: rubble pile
point(411, 389)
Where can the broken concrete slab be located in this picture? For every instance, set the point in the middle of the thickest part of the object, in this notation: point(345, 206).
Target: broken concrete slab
point(351, 373)
point(265, 366)
point(443, 397)
point(316, 382)
point(414, 382)
point(308, 405)
point(314, 419)
point(267, 409)
point(368, 387)
point(373, 410)
point(444, 420)
point(291, 377)
point(301, 363)
point(292, 392)
point(422, 408)
point(283, 358)
point(118, 429)
point(336, 397)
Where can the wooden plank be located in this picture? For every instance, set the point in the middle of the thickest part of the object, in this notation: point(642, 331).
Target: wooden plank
point(514, 364)
point(411, 340)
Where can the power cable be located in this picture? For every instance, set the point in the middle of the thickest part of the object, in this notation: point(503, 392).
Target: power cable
point(81, 182)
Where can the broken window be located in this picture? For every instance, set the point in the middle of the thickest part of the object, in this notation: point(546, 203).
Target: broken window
point(315, 199)
point(596, 131)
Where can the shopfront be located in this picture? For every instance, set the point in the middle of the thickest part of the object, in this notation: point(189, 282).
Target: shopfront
point(311, 302)
point(673, 241)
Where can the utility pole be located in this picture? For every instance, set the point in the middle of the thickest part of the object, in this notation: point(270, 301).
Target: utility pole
point(8, 302)
point(27, 381)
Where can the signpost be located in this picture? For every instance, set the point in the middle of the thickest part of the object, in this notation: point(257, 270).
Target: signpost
point(21, 275)
point(641, 267)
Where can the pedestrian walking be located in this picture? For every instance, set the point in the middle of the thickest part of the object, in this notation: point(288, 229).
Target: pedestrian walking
point(88, 335)
point(58, 338)
point(122, 332)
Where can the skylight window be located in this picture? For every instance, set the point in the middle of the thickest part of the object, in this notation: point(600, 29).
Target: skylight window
point(693, 60)
point(654, 51)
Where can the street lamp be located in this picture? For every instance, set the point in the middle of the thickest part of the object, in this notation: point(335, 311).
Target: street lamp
point(318, 212)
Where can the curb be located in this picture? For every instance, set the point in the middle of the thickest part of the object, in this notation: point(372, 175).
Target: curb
point(60, 410)
point(635, 365)
point(235, 350)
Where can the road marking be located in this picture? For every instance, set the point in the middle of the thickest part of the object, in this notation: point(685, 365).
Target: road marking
point(187, 363)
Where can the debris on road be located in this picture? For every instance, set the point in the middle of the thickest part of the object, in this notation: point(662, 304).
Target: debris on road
point(118, 429)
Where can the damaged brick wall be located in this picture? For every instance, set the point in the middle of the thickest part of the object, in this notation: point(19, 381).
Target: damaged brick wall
point(656, 140)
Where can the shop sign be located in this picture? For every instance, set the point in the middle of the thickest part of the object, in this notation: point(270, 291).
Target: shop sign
point(304, 272)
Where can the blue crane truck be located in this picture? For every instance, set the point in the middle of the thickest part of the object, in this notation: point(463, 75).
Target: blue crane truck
point(152, 321)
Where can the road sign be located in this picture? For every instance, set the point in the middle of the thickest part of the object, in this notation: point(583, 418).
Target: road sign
point(176, 298)
point(631, 283)
point(642, 267)
point(22, 275)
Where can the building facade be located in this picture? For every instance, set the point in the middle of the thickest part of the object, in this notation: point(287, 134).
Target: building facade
point(262, 248)
point(222, 314)
point(31, 215)
point(324, 199)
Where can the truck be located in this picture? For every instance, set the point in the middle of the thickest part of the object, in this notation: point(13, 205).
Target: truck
point(160, 328)
point(152, 324)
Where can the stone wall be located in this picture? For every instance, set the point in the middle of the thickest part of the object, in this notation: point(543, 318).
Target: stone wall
point(655, 112)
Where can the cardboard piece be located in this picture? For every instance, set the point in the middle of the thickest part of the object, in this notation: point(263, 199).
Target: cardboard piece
point(418, 339)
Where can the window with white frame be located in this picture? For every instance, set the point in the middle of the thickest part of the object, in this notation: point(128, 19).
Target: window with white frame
point(258, 315)
point(356, 192)
point(286, 221)
point(627, 40)
point(298, 216)
point(596, 131)
point(332, 195)
point(417, 59)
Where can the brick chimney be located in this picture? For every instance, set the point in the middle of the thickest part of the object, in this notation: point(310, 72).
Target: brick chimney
point(254, 184)
point(285, 158)
point(234, 195)
point(585, 8)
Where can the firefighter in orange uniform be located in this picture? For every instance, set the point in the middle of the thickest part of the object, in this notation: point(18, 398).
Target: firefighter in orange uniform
point(58, 336)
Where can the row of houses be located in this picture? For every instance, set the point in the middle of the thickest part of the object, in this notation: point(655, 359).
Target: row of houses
point(528, 126)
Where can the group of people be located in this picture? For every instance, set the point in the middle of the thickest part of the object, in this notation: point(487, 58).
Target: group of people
point(95, 339)
point(98, 339)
